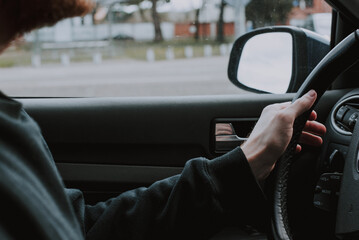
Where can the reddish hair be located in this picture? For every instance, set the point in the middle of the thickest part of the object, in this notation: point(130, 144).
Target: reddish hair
point(20, 16)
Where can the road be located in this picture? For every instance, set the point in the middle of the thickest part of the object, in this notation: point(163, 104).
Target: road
point(183, 77)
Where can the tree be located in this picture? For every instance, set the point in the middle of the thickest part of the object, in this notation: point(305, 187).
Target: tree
point(268, 12)
point(220, 23)
point(156, 22)
point(155, 16)
point(196, 21)
point(140, 10)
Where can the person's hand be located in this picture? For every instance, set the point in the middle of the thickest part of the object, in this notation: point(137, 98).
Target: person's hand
point(273, 132)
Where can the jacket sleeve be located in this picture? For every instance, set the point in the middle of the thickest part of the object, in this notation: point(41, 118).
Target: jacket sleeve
point(207, 195)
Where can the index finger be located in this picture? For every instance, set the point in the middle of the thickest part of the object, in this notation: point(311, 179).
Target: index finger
point(302, 104)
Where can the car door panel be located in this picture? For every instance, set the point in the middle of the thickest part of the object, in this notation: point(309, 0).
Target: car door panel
point(107, 145)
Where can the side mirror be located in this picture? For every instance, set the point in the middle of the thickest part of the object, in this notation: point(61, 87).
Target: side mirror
point(275, 59)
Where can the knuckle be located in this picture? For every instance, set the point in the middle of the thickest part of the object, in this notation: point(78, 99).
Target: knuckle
point(267, 108)
point(283, 116)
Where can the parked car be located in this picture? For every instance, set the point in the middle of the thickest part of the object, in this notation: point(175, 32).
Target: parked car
point(121, 37)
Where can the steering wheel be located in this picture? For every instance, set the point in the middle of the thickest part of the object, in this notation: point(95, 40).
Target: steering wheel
point(339, 59)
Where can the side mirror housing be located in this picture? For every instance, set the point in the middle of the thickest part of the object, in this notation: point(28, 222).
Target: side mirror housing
point(275, 59)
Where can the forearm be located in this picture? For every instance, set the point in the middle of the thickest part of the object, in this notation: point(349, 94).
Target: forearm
point(206, 196)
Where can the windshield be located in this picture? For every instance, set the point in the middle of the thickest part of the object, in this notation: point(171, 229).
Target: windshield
point(146, 48)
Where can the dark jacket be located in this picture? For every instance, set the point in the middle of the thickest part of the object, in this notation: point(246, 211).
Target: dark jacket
point(34, 204)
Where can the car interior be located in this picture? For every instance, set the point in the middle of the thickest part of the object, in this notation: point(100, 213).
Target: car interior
point(105, 146)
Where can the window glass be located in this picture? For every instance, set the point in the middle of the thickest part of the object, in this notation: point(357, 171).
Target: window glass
point(146, 47)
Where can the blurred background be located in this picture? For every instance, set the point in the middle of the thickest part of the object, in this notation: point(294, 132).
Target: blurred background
point(146, 47)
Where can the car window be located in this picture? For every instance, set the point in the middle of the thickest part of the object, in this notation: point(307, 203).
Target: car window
point(146, 48)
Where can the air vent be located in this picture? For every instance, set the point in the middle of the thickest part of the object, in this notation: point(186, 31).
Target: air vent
point(345, 115)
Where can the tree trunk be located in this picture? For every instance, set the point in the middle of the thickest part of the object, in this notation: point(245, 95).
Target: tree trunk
point(156, 22)
point(220, 23)
point(196, 35)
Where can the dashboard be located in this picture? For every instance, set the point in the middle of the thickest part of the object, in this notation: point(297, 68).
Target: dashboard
point(340, 126)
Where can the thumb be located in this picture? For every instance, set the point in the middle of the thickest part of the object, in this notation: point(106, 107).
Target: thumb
point(303, 104)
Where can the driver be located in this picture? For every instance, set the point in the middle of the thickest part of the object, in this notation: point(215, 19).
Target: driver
point(206, 196)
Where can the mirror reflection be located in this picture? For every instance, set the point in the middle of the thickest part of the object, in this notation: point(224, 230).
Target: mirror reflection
point(266, 62)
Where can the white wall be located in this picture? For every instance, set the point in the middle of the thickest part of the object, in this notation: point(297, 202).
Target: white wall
point(65, 31)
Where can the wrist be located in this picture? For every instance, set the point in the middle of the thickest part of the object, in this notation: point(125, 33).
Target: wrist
point(259, 158)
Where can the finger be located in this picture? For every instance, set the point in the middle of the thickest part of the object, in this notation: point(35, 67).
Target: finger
point(298, 148)
point(224, 132)
point(313, 116)
point(310, 139)
point(302, 104)
point(315, 128)
point(223, 129)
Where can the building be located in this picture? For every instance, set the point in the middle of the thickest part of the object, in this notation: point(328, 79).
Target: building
point(302, 10)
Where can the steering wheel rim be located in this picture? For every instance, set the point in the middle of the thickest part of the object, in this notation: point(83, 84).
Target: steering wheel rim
point(339, 59)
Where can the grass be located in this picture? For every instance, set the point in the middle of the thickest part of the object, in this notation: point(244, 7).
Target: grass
point(21, 55)
point(6, 63)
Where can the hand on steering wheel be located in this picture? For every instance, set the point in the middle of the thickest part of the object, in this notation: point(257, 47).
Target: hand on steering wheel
point(274, 130)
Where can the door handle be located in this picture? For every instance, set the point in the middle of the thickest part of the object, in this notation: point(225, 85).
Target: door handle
point(226, 137)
